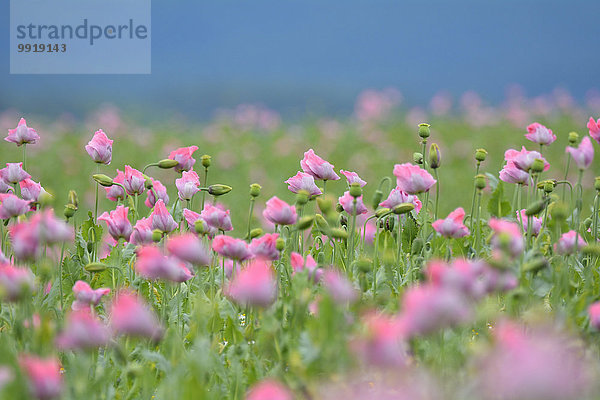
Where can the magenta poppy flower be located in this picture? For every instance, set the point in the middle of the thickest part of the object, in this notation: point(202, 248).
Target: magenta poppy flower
point(152, 264)
point(383, 344)
point(161, 193)
point(397, 197)
point(594, 314)
point(83, 331)
point(4, 186)
point(303, 181)
point(184, 157)
point(44, 376)
point(536, 223)
point(347, 203)
point(100, 148)
point(14, 173)
point(509, 230)
point(11, 206)
point(130, 315)
point(318, 168)
point(265, 247)
point(269, 390)
point(566, 243)
point(142, 232)
point(511, 174)
point(191, 217)
point(412, 179)
point(51, 229)
point(15, 283)
point(310, 265)
point(25, 241)
point(594, 129)
point(161, 219)
point(30, 190)
point(187, 247)
point(229, 247)
point(22, 134)
point(216, 217)
point(254, 285)
point(524, 159)
point(538, 133)
point(339, 287)
point(188, 185)
point(452, 226)
point(352, 177)
point(116, 192)
point(118, 223)
point(279, 212)
point(583, 155)
point(134, 181)
point(85, 296)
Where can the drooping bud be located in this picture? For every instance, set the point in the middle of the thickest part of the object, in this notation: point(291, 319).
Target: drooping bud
point(218, 189)
point(418, 158)
point(363, 264)
point(205, 160)
point(167, 163)
point(417, 246)
point(389, 224)
point(339, 208)
point(538, 165)
point(480, 181)
point(535, 208)
point(549, 186)
point(435, 157)
point(424, 130)
point(302, 197)
point(95, 267)
point(403, 208)
point(148, 182)
point(377, 197)
point(69, 211)
point(103, 179)
point(339, 233)
point(305, 222)
point(256, 232)
point(255, 190)
point(382, 211)
point(45, 199)
point(325, 204)
point(573, 138)
point(321, 223)
point(587, 223)
point(481, 155)
point(73, 199)
point(355, 190)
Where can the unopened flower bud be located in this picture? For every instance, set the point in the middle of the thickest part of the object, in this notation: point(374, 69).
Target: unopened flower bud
point(325, 204)
point(573, 138)
point(597, 183)
point(148, 182)
point(205, 160)
point(389, 224)
point(302, 197)
point(95, 267)
point(538, 165)
point(69, 211)
point(382, 211)
point(424, 130)
point(481, 155)
point(549, 186)
point(355, 190)
point(417, 246)
point(279, 244)
point(435, 157)
point(45, 199)
point(339, 233)
point(591, 249)
point(403, 208)
point(167, 163)
point(377, 197)
point(103, 179)
point(363, 264)
point(256, 232)
point(321, 223)
point(339, 208)
point(255, 190)
point(305, 222)
point(157, 235)
point(73, 199)
point(218, 189)
point(418, 158)
point(480, 181)
point(535, 208)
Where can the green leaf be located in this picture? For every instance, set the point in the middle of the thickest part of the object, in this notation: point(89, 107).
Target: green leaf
point(497, 206)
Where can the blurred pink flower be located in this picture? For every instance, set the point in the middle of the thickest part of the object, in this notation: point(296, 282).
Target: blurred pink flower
point(216, 217)
point(412, 179)
point(511, 174)
point(352, 177)
point(279, 212)
point(506, 236)
point(183, 155)
point(269, 390)
point(538, 133)
point(254, 285)
point(25, 240)
point(265, 247)
point(118, 223)
point(383, 344)
point(44, 376)
point(116, 192)
point(100, 148)
point(152, 264)
point(594, 129)
point(83, 331)
point(318, 168)
point(187, 247)
point(30, 190)
point(191, 217)
point(130, 315)
point(14, 173)
point(583, 155)
point(85, 296)
point(134, 181)
point(142, 232)
point(594, 314)
point(161, 219)
point(347, 203)
point(452, 226)
point(536, 223)
point(397, 196)
point(310, 265)
point(303, 181)
point(15, 282)
point(161, 193)
point(11, 206)
point(524, 159)
point(232, 248)
point(188, 185)
point(22, 134)
point(566, 243)
point(339, 287)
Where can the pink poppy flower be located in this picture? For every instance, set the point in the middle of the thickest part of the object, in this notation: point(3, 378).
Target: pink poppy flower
point(594, 314)
point(191, 217)
point(83, 331)
point(100, 148)
point(524, 159)
point(142, 232)
point(383, 343)
point(511, 174)
point(4, 186)
point(538, 133)
point(583, 155)
point(134, 181)
point(310, 265)
point(85, 296)
point(15, 283)
point(452, 226)
point(14, 173)
point(232, 248)
point(318, 168)
point(44, 376)
point(412, 179)
point(130, 315)
point(303, 181)
point(116, 192)
point(216, 217)
point(253, 285)
point(339, 287)
point(25, 240)
point(161, 219)
point(566, 243)
point(352, 177)
point(594, 129)
point(397, 197)
point(152, 265)
point(536, 223)
point(118, 223)
point(269, 390)
point(30, 190)
point(11, 206)
point(161, 193)
point(188, 185)
point(279, 212)
point(347, 203)
point(187, 247)
point(184, 157)
point(265, 247)
point(51, 229)
point(507, 236)
point(22, 134)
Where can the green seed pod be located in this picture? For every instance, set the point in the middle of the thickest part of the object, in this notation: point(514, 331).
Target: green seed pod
point(218, 189)
point(255, 190)
point(377, 197)
point(205, 160)
point(73, 199)
point(95, 267)
point(549, 186)
point(537, 166)
point(325, 204)
point(535, 208)
point(167, 163)
point(302, 197)
point(597, 183)
point(69, 211)
point(573, 138)
point(355, 190)
point(435, 157)
point(156, 235)
point(418, 158)
point(305, 222)
point(103, 180)
point(403, 208)
point(382, 211)
point(417, 246)
point(280, 244)
point(481, 155)
point(480, 181)
point(338, 233)
point(199, 226)
point(363, 264)
point(256, 232)
point(424, 130)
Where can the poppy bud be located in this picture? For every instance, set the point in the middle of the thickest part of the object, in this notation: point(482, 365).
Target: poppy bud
point(325, 204)
point(355, 190)
point(597, 183)
point(424, 130)
point(377, 197)
point(279, 244)
point(549, 186)
point(339, 233)
point(73, 199)
point(205, 160)
point(538, 165)
point(255, 190)
point(95, 267)
point(389, 224)
point(167, 163)
point(302, 197)
point(45, 198)
point(418, 158)
point(480, 181)
point(417, 246)
point(256, 232)
point(199, 226)
point(363, 264)
point(156, 235)
point(305, 222)
point(69, 211)
point(403, 208)
point(218, 189)
point(573, 138)
point(148, 182)
point(381, 212)
point(591, 249)
point(339, 208)
point(480, 155)
point(435, 156)
point(103, 179)
point(321, 223)
point(559, 211)
point(535, 208)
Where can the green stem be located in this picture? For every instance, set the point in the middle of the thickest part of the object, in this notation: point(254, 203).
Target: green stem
point(204, 185)
point(437, 194)
point(566, 174)
point(250, 215)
